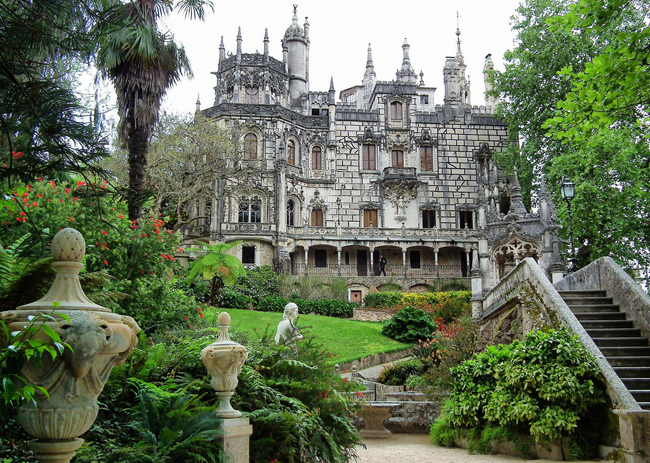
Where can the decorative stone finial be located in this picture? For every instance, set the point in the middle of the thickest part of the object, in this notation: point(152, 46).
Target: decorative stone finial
point(224, 360)
point(73, 379)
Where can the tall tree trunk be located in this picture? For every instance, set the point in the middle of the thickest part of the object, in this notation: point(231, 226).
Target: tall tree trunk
point(137, 146)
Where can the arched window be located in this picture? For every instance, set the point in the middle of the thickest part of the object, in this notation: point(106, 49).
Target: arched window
point(250, 210)
point(369, 161)
point(396, 111)
point(317, 218)
point(291, 209)
point(316, 158)
point(291, 153)
point(397, 158)
point(250, 147)
point(252, 95)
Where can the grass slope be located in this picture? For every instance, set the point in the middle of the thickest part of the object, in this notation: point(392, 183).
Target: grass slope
point(347, 339)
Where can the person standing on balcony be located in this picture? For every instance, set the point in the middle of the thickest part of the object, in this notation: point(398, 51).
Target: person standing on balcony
point(382, 265)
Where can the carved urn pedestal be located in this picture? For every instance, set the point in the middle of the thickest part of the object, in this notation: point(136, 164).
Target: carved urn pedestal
point(98, 340)
point(224, 360)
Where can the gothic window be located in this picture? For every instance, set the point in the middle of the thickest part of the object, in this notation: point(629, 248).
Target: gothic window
point(291, 153)
point(251, 95)
point(316, 158)
point(248, 255)
point(369, 153)
point(429, 219)
point(291, 209)
point(426, 158)
point(424, 99)
point(317, 218)
point(250, 210)
point(396, 111)
point(250, 147)
point(466, 219)
point(370, 217)
point(397, 157)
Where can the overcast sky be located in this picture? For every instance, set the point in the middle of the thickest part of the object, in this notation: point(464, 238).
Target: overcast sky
point(340, 31)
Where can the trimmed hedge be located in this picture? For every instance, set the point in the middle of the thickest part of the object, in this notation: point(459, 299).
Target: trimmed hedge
point(327, 307)
point(425, 301)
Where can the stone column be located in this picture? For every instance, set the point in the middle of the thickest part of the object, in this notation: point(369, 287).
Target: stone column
point(224, 360)
point(477, 285)
point(435, 261)
point(306, 260)
point(404, 262)
point(98, 340)
point(338, 261)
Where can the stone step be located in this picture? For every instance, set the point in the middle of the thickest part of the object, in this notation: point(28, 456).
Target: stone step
point(607, 324)
point(636, 383)
point(644, 405)
point(583, 293)
point(600, 316)
point(613, 332)
point(641, 395)
point(632, 372)
point(591, 308)
point(621, 342)
point(626, 351)
point(587, 300)
point(636, 361)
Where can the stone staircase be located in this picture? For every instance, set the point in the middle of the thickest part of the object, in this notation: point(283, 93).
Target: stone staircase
point(626, 350)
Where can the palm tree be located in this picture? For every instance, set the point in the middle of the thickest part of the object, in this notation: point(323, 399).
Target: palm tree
point(142, 63)
point(218, 267)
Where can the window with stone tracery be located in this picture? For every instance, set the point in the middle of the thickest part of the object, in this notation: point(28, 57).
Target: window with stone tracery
point(252, 95)
point(507, 256)
point(250, 210)
point(291, 209)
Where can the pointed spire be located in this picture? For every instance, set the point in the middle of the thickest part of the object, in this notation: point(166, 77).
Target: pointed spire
point(294, 20)
point(266, 45)
point(239, 44)
point(222, 51)
point(198, 103)
point(406, 72)
point(459, 54)
point(369, 63)
point(306, 27)
point(370, 74)
point(331, 95)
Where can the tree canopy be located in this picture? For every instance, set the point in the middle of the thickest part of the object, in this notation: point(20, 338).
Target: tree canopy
point(554, 96)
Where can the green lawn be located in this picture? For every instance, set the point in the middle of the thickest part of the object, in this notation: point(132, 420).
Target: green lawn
point(348, 339)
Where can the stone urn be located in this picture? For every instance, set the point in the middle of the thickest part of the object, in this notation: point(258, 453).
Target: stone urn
point(98, 340)
point(224, 360)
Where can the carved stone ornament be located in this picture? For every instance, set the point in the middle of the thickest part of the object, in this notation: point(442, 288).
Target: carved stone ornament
point(224, 360)
point(99, 340)
point(400, 193)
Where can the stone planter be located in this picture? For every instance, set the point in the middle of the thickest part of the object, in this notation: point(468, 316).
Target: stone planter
point(99, 340)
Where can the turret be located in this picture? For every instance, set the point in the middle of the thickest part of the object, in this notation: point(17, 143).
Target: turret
point(198, 103)
point(266, 46)
point(406, 72)
point(331, 94)
point(454, 77)
point(296, 44)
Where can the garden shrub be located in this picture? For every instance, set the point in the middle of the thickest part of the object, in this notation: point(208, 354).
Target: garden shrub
point(384, 299)
point(274, 304)
point(230, 298)
point(330, 308)
point(409, 325)
point(258, 283)
point(399, 373)
point(547, 386)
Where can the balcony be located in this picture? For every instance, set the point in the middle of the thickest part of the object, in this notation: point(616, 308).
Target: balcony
point(400, 173)
point(395, 271)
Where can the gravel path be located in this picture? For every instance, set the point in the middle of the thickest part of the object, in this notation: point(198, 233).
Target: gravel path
point(416, 448)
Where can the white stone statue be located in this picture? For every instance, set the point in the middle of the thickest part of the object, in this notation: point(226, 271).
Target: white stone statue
point(287, 332)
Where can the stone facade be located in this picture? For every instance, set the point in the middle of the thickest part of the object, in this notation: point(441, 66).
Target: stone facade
point(383, 171)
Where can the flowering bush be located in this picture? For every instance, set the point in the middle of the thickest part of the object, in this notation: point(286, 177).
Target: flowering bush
point(409, 325)
point(447, 305)
point(138, 255)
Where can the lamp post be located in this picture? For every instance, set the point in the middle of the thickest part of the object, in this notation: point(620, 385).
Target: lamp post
point(338, 210)
point(568, 191)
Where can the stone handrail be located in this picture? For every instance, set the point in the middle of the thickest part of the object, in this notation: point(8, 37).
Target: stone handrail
point(556, 313)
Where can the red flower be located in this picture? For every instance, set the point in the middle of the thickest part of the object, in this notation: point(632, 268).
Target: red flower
point(184, 317)
point(24, 194)
point(201, 315)
point(104, 232)
point(152, 272)
point(120, 216)
point(71, 219)
point(141, 271)
point(105, 262)
point(22, 213)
